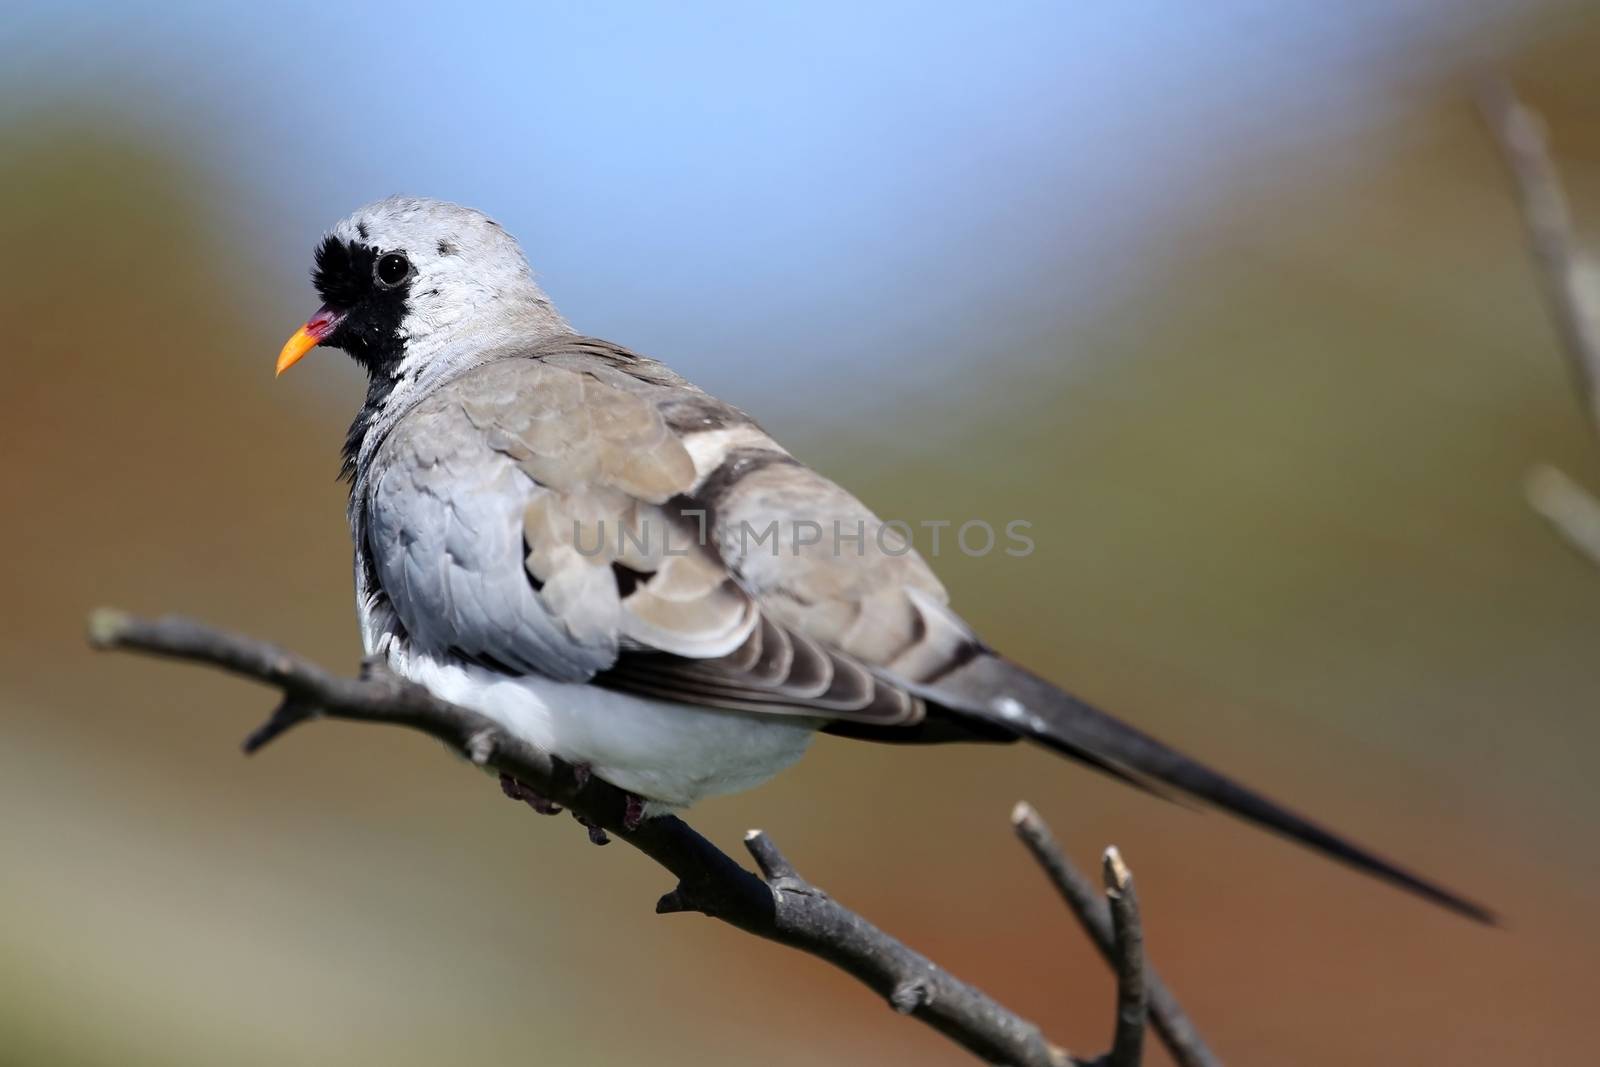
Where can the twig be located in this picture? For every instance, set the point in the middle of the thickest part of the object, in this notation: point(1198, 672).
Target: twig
point(779, 906)
point(1177, 1033)
point(1568, 275)
point(1567, 507)
point(1127, 1046)
point(1572, 290)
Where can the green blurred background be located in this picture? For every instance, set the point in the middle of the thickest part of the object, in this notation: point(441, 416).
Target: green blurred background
point(1265, 380)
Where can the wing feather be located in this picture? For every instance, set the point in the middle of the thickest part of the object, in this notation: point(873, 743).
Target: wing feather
point(522, 518)
point(622, 494)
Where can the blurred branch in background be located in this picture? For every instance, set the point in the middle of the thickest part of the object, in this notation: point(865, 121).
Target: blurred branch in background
point(1572, 287)
point(779, 905)
point(1567, 506)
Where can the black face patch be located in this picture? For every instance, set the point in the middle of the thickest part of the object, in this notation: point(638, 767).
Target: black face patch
point(346, 277)
point(370, 331)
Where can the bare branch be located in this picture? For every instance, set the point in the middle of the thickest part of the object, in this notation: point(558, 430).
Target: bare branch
point(1177, 1033)
point(290, 712)
point(1570, 280)
point(1566, 506)
point(782, 907)
point(1127, 1046)
point(1572, 289)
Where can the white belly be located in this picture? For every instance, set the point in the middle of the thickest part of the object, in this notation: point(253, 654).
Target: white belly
point(672, 754)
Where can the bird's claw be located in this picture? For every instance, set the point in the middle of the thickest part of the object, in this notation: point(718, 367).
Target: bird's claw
point(517, 791)
point(633, 814)
point(597, 833)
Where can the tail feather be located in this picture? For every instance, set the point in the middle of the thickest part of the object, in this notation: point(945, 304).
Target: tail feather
point(995, 689)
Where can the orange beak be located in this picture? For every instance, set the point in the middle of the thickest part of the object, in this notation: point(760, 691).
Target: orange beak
point(307, 337)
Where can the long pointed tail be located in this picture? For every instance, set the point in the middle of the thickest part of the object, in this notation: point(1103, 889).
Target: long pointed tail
point(998, 690)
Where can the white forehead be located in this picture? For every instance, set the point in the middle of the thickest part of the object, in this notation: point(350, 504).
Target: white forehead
point(430, 230)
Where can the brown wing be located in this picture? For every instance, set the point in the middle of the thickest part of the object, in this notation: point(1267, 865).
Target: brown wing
point(630, 536)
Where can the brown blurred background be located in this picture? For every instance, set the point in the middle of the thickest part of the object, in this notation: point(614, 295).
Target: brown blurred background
point(1274, 476)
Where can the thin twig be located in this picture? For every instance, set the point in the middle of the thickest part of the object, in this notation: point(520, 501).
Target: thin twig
point(1172, 1025)
point(1127, 1045)
point(1572, 290)
point(290, 712)
point(780, 907)
point(1567, 507)
point(1569, 277)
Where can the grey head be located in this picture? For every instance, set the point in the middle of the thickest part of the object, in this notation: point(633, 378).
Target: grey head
point(416, 291)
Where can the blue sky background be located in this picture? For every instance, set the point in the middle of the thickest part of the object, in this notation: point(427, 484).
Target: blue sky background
point(760, 189)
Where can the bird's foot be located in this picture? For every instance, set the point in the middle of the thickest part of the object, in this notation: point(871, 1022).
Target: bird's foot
point(517, 791)
point(633, 814)
point(581, 773)
point(597, 833)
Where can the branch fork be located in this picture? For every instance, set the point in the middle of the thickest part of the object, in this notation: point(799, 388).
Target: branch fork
point(778, 904)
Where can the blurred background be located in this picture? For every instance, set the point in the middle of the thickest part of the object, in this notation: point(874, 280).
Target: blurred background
point(1231, 301)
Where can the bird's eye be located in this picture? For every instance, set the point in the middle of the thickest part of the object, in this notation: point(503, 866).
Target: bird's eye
point(392, 269)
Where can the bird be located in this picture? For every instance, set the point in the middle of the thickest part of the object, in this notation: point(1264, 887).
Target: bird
point(624, 571)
